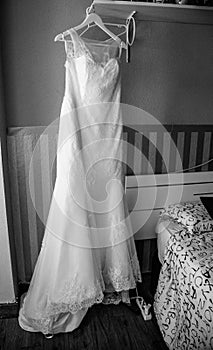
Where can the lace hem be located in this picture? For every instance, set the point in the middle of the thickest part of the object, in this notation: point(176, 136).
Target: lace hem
point(45, 324)
point(115, 276)
point(76, 297)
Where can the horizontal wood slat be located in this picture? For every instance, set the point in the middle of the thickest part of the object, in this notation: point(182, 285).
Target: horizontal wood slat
point(146, 198)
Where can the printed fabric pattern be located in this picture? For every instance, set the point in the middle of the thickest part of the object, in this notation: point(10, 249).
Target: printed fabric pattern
point(183, 302)
point(193, 215)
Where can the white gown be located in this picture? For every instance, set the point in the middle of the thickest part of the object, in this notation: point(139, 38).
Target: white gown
point(88, 252)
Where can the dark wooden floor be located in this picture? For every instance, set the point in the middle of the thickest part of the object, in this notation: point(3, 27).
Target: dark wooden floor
point(104, 327)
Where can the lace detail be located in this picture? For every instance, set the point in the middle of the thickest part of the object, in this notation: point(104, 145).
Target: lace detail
point(102, 75)
point(76, 48)
point(75, 296)
point(136, 268)
point(114, 277)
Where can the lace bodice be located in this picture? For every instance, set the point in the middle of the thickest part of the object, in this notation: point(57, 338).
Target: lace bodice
point(95, 66)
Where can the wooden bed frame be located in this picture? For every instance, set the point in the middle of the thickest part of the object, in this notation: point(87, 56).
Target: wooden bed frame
point(148, 194)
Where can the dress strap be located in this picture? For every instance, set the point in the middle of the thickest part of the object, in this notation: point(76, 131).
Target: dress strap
point(71, 45)
point(78, 46)
point(65, 43)
point(120, 50)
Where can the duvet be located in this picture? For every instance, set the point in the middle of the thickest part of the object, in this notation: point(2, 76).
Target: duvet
point(183, 302)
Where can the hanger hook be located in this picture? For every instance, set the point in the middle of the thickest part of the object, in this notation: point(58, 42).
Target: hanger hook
point(90, 9)
point(130, 19)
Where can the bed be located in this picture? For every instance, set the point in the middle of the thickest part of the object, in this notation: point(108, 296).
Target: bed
point(184, 298)
point(171, 211)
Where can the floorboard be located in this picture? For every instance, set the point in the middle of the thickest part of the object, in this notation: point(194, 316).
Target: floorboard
point(104, 327)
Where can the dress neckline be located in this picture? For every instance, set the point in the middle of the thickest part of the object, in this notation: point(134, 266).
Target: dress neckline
point(79, 46)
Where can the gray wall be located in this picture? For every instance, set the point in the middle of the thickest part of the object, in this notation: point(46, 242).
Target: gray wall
point(170, 74)
point(7, 271)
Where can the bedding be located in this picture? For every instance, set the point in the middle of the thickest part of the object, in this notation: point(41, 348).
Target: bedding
point(192, 215)
point(164, 229)
point(183, 302)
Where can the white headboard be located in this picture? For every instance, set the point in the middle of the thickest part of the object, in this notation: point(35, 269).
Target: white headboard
point(148, 194)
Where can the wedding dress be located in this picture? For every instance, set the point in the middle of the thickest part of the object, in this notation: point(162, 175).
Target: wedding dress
point(88, 252)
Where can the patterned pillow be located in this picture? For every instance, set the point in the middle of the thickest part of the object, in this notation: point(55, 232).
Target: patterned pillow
point(193, 215)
